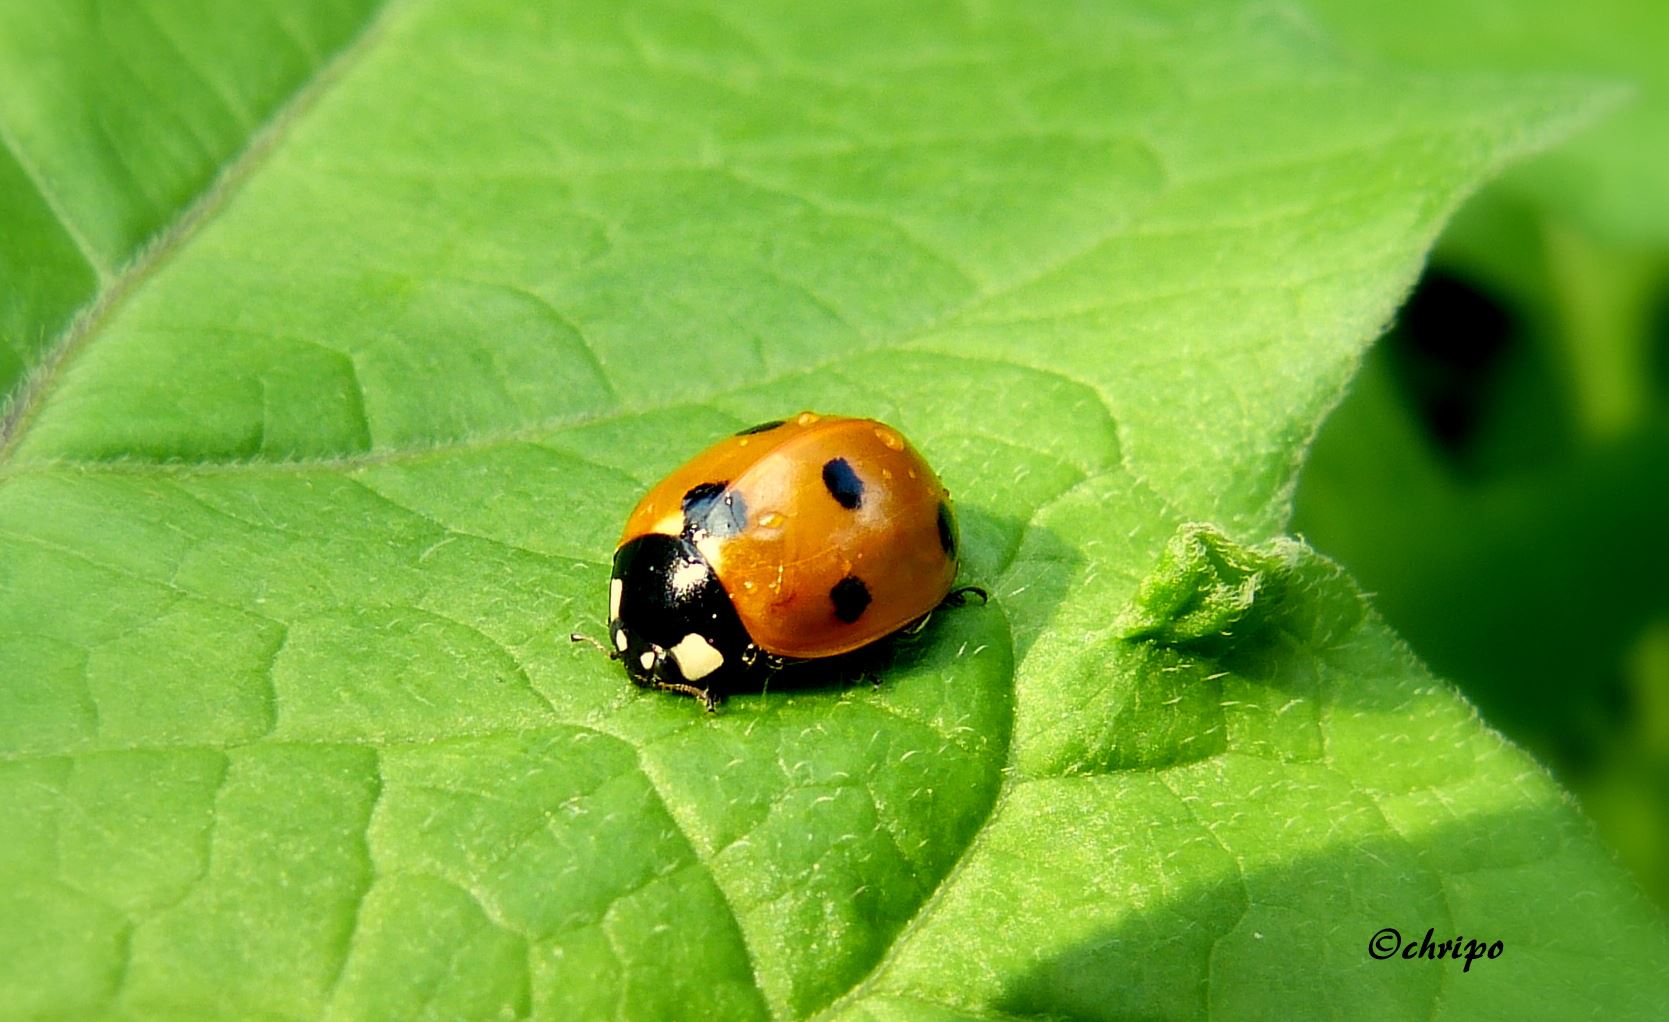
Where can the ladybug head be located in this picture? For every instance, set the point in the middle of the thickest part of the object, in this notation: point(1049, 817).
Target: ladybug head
point(670, 619)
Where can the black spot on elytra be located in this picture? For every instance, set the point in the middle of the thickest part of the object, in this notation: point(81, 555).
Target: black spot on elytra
point(711, 510)
point(843, 483)
point(763, 427)
point(702, 494)
point(850, 597)
point(947, 530)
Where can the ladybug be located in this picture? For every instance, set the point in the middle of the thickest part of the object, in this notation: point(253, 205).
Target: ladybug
point(793, 540)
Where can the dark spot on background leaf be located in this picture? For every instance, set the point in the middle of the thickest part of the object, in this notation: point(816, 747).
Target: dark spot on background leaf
point(1448, 350)
point(1657, 359)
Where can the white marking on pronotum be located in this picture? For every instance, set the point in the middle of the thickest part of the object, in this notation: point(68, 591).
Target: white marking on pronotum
point(647, 659)
point(615, 588)
point(712, 551)
point(688, 575)
point(696, 657)
point(620, 639)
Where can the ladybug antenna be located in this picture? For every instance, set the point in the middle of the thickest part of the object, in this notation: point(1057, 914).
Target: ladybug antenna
point(577, 637)
point(958, 597)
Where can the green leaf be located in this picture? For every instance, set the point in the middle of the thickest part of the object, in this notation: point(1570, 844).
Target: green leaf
point(1609, 179)
point(1473, 540)
point(1338, 791)
point(291, 536)
point(113, 119)
point(1577, 238)
point(1206, 589)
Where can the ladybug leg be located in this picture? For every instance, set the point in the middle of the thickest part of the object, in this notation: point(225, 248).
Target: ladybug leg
point(613, 654)
point(770, 663)
point(958, 597)
point(954, 598)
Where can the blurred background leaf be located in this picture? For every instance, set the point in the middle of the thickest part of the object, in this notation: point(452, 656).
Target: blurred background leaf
point(1499, 476)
